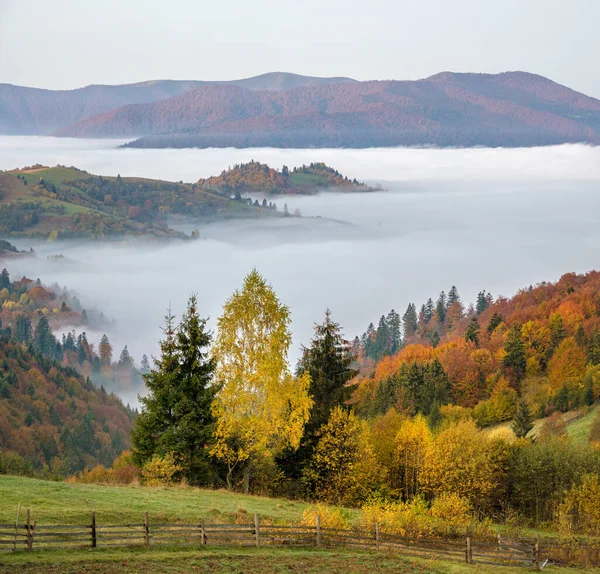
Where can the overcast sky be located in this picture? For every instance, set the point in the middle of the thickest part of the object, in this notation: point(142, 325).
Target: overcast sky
point(72, 43)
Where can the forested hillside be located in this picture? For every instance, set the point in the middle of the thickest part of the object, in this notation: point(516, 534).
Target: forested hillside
point(448, 109)
point(258, 177)
point(35, 111)
point(63, 202)
point(542, 346)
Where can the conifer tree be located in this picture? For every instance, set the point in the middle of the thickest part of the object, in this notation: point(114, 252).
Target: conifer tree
point(495, 320)
point(440, 307)
point(4, 279)
point(176, 415)
point(522, 421)
point(328, 363)
point(410, 320)
point(453, 296)
point(393, 323)
point(514, 360)
point(429, 310)
point(105, 350)
point(144, 365)
point(482, 303)
point(472, 334)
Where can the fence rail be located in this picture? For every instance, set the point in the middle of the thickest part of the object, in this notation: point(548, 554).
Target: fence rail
point(530, 552)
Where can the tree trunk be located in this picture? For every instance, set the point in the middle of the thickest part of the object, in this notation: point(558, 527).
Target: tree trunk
point(247, 473)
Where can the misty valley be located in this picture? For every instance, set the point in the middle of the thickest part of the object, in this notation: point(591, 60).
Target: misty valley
point(454, 287)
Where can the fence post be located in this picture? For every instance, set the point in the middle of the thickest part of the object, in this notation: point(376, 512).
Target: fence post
point(318, 530)
point(28, 526)
point(93, 530)
point(469, 551)
point(202, 533)
point(256, 530)
point(377, 535)
point(146, 530)
point(536, 552)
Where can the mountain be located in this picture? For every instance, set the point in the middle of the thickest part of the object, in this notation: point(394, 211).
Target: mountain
point(67, 202)
point(448, 109)
point(28, 111)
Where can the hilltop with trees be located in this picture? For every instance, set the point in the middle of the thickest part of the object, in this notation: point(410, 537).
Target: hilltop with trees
point(65, 202)
point(259, 177)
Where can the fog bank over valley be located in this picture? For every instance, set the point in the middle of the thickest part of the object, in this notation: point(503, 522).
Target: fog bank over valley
point(478, 218)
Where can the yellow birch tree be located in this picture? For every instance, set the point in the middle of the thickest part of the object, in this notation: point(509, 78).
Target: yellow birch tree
point(260, 408)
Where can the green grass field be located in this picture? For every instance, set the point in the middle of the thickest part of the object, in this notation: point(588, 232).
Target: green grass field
point(64, 503)
point(239, 560)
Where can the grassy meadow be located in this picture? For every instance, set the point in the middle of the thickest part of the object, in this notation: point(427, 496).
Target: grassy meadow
point(66, 503)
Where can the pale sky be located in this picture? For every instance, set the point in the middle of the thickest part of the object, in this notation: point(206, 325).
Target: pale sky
point(63, 44)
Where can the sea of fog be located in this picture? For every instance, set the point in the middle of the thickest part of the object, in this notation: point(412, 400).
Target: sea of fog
point(493, 219)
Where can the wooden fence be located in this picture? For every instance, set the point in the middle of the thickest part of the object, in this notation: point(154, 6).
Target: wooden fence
point(531, 552)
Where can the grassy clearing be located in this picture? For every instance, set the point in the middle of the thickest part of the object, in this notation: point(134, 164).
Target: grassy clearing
point(62, 503)
point(236, 560)
point(579, 430)
point(307, 180)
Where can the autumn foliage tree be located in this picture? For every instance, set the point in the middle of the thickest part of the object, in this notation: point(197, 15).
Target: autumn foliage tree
point(260, 409)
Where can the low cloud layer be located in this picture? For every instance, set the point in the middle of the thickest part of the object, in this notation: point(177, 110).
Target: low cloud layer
point(501, 227)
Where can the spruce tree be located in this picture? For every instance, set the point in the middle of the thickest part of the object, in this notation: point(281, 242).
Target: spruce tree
point(522, 421)
point(482, 302)
point(4, 280)
point(472, 334)
point(495, 320)
point(429, 310)
point(410, 320)
point(514, 360)
point(393, 322)
point(328, 361)
point(440, 307)
point(453, 296)
point(176, 415)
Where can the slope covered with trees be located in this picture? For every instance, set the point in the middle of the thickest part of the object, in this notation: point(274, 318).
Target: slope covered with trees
point(25, 111)
point(448, 109)
point(63, 202)
point(259, 177)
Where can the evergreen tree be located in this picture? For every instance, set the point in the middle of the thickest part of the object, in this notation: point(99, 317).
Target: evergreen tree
point(482, 302)
point(125, 360)
point(440, 307)
point(368, 341)
point(522, 421)
point(382, 339)
point(393, 323)
point(514, 360)
point(435, 416)
point(435, 339)
point(84, 317)
point(144, 365)
point(22, 328)
point(495, 320)
point(410, 321)
point(453, 296)
point(4, 280)
point(105, 351)
point(472, 333)
point(176, 414)
point(328, 361)
point(43, 338)
point(429, 310)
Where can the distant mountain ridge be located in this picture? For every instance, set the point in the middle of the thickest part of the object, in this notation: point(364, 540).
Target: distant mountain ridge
point(30, 111)
point(283, 110)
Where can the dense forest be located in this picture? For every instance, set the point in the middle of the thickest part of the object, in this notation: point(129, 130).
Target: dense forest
point(56, 393)
point(396, 422)
point(258, 177)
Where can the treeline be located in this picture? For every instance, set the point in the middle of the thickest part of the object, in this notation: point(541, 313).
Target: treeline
point(228, 412)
